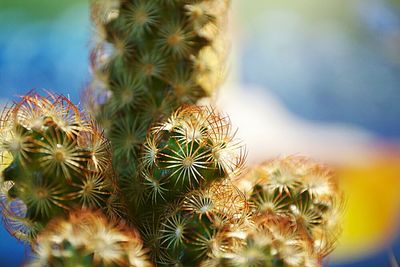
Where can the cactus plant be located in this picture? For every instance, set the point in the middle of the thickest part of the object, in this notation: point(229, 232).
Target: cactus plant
point(172, 171)
point(87, 238)
point(193, 148)
point(201, 225)
point(189, 152)
point(151, 57)
point(60, 160)
point(297, 206)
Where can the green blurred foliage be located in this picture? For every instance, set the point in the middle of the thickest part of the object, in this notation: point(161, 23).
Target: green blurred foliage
point(39, 9)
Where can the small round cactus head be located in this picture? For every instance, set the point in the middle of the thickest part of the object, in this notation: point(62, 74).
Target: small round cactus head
point(277, 245)
point(301, 193)
point(87, 238)
point(57, 159)
point(201, 225)
point(194, 147)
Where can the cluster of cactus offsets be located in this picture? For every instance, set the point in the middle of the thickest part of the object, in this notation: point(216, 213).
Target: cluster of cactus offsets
point(149, 58)
point(171, 170)
point(57, 160)
point(87, 239)
point(187, 161)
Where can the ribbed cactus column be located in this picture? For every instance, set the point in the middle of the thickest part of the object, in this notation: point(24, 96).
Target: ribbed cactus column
point(149, 58)
point(58, 160)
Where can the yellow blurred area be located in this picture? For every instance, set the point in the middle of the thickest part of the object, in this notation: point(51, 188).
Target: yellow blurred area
point(373, 206)
point(5, 160)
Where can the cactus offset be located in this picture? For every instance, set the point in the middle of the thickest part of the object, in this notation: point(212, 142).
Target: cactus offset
point(60, 160)
point(87, 238)
point(297, 202)
point(194, 147)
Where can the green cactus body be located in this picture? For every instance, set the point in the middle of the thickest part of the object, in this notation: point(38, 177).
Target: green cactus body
point(201, 224)
point(60, 160)
point(182, 158)
point(192, 149)
point(151, 57)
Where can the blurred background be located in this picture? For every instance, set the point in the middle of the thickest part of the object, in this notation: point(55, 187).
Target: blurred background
point(312, 77)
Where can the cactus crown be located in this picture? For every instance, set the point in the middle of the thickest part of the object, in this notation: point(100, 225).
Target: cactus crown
point(59, 160)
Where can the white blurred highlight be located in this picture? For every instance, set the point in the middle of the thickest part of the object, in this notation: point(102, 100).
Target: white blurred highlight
point(269, 130)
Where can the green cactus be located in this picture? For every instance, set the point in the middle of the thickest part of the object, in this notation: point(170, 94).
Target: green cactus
point(200, 224)
point(86, 238)
point(151, 57)
point(60, 160)
point(302, 198)
point(194, 149)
